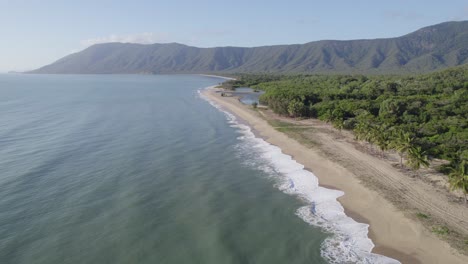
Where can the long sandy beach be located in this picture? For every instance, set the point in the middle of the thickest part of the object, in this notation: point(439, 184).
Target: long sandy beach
point(394, 234)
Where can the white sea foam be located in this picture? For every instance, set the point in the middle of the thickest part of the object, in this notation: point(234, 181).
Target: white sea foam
point(349, 242)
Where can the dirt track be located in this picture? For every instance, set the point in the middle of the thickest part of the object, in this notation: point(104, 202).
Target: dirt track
point(406, 191)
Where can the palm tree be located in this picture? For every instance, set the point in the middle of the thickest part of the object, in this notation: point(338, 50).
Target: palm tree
point(381, 137)
point(402, 143)
point(327, 116)
point(458, 179)
point(417, 158)
point(361, 131)
point(363, 127)
point(338, 124)
point(371, 136)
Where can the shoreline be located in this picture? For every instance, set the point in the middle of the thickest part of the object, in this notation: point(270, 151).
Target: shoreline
point(217, 76)
point(393, 234)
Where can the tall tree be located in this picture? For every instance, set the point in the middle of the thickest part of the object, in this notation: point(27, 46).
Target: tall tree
point(381, 137)
point(401, 142)
point(458, 179)
point(417, 158)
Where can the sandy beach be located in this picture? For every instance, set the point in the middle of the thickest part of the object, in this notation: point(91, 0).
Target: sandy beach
point(342, 166)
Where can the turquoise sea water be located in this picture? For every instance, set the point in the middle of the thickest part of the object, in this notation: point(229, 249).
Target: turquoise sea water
point(136, 169)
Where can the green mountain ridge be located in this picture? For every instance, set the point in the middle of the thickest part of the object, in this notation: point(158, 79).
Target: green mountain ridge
point(427, 49)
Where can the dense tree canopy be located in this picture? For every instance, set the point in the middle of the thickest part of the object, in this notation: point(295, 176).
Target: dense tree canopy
point(419, 116)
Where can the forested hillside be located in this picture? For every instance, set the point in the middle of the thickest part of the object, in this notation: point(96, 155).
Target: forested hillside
point(427, 49)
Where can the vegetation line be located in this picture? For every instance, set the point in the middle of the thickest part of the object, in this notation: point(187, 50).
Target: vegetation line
point(422, 117)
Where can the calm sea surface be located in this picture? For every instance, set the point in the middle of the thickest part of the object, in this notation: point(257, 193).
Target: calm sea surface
point(136, 169)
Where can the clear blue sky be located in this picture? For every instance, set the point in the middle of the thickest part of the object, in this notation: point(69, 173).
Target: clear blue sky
point(37, 32)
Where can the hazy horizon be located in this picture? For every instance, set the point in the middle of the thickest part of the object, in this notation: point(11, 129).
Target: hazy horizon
point(40, 33)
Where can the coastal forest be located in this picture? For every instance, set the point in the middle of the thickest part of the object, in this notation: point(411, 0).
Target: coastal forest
point(419, 116)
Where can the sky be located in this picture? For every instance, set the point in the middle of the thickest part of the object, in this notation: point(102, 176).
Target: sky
point(34, 33)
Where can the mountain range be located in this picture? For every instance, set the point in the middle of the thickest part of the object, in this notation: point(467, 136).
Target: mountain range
point(427, 49)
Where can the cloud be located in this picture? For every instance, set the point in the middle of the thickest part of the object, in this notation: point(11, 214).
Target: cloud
point(194, 38)
point(141, 38)
point(150, 38)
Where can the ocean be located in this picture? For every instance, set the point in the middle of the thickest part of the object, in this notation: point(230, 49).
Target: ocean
point(144, 169)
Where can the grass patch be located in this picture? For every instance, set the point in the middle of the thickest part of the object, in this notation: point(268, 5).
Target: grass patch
point(286, 126)
point(277, 123)
point(291, 129)
point(440, 230)
point(297, 132)
point(422, 216)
